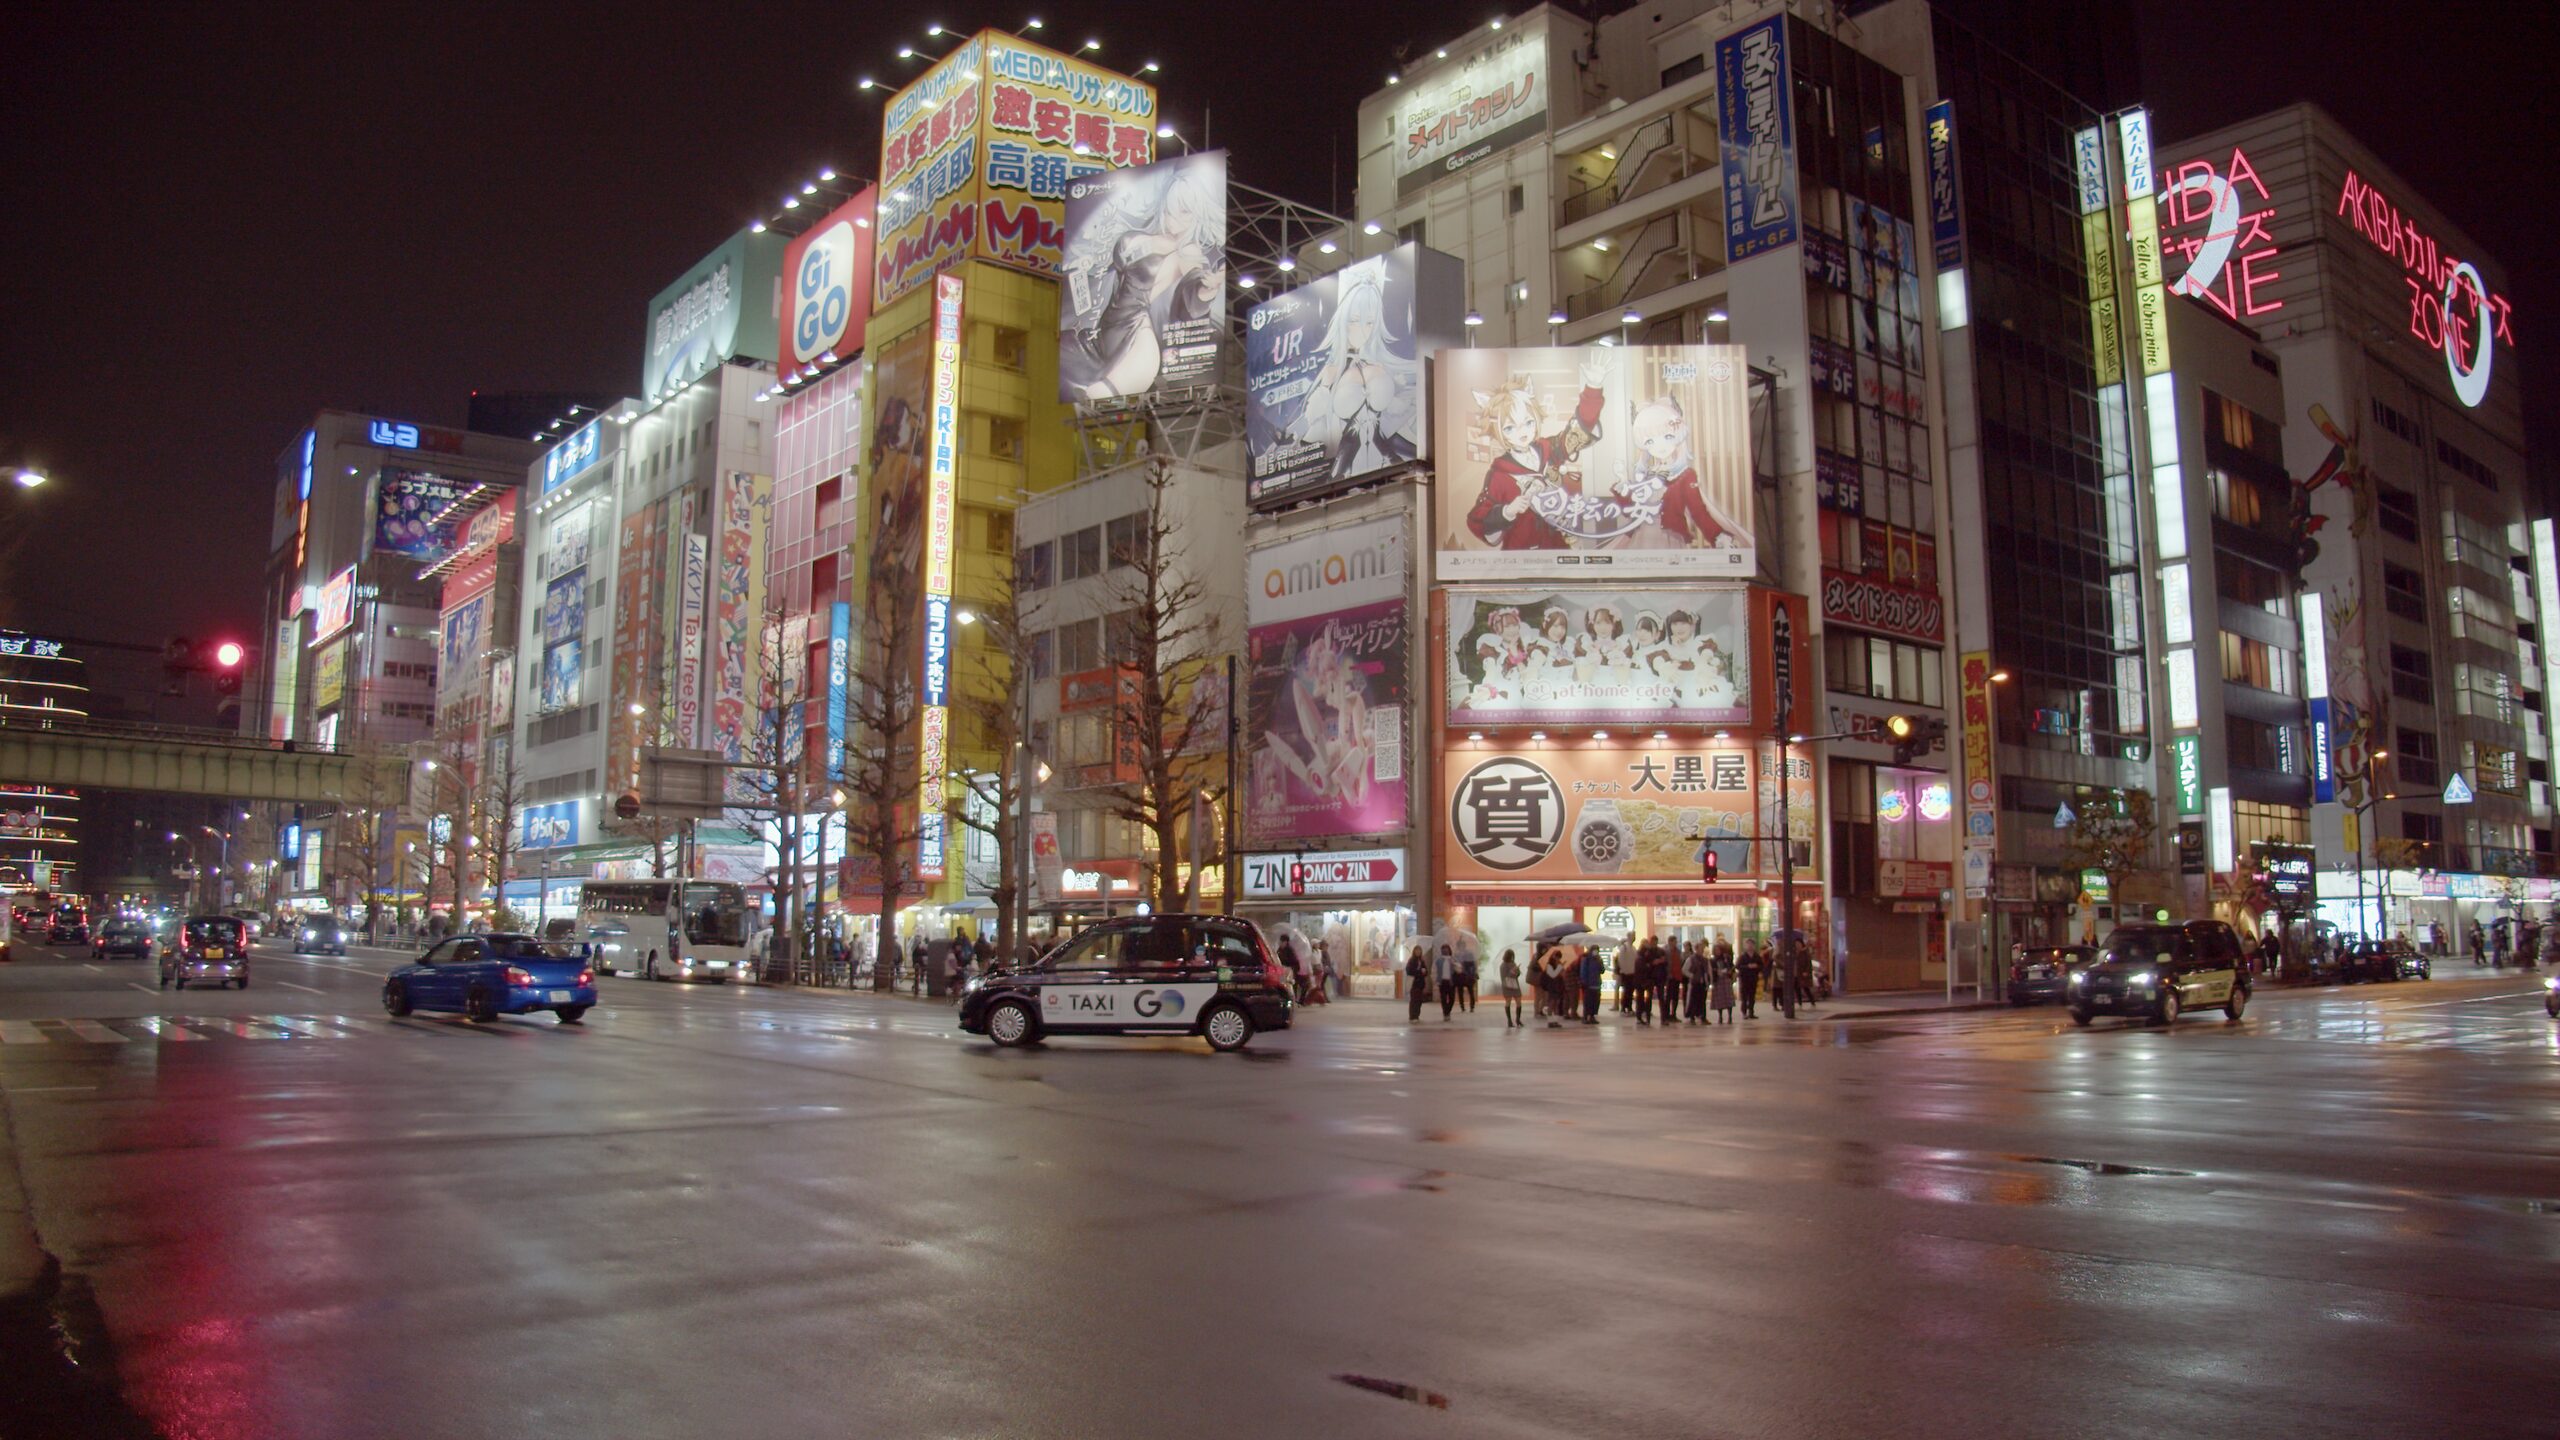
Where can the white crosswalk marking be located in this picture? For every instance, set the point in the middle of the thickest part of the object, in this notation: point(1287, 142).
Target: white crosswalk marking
point(95, 1033)
point(20, 1032)
point(305, 1027)
point(165, 1029)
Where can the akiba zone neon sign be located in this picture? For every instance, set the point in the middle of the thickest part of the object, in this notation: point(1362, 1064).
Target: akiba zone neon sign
point(2450, 307)
point(2235, 254)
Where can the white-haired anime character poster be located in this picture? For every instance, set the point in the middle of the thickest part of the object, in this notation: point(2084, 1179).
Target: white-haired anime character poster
point(1333, 372)
point(1597, 463)
point(1142, 287)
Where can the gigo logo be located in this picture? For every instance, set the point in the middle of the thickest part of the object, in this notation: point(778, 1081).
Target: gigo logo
point(822, 293)
point(1153, 1004)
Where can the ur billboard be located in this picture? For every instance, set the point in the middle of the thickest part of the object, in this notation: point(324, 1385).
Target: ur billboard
point(1327, 680)
point(1142, 285)
point(976, 156)
point(1595, 463)
point(826, 285)
point(723, 308)
point(1591, 656)
point(1333, 371)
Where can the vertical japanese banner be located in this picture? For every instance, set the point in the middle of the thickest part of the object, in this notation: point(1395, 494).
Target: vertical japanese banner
point(1981, 802)
point(839, 658)
point(941, 515)
point(1755, 111)
point(1946, 216)
point(635, 602)
point(746, 503)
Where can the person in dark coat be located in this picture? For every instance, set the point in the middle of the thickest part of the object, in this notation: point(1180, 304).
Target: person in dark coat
point(1754, 965)
point(1647, 974)
point(1590, 971)
point(1722, 997)
point(1693, 983)
point(1417, 984)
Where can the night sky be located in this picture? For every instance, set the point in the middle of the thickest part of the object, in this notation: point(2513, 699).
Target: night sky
point(220, 219)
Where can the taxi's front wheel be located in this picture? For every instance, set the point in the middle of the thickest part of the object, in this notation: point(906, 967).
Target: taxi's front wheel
point(1226, 1028)
point(1009, 1023)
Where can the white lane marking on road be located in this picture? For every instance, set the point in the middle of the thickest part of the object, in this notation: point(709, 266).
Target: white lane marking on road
point(2471, 1000)
point(97, 1034)
point(138, 985)
point(166, 1030)
point(306, 989)
point(46, 1089)
point(2305, 1200)
point(22, 1032)
point(302, 1026)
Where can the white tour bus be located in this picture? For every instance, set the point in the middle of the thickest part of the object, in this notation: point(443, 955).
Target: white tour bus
point(665, 929)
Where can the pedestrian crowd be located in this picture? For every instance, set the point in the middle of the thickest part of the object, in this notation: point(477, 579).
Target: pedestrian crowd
point(1674, 982)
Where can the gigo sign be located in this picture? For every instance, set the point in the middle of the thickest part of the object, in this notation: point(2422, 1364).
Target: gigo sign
point(826, 277)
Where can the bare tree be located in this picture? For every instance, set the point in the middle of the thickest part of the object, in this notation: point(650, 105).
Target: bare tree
point(1167, 630)
point(998, 672)
point(359, 840)
point(499, 807)
point(2113, 838)
point(770, 777)
point(882, 711)
point(443, 791)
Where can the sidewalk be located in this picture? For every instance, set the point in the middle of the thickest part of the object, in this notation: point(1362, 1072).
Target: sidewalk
point(1489, 1009)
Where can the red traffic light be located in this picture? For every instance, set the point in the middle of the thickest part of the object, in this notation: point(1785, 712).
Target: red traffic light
point(1707, 866)
point(228, 654)
point(1297, 878)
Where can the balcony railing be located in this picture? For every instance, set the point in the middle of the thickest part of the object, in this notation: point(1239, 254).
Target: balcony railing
point(1654, 157)
point(1654, 261)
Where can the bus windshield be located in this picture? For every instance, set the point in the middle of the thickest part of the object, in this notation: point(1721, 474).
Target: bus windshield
point(714, 914)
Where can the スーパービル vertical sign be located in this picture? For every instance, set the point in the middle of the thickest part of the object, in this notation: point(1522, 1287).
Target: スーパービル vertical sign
point(1756, 115)
point(941, 506)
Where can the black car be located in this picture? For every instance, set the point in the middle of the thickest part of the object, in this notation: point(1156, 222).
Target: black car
point(319, 935)
point(2389, 960)
point(2158, 972)
point(2043, 972)
point(69, 927)
point(1208, 975)
point(119, 938)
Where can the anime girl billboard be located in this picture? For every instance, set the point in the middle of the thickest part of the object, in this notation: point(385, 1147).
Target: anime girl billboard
point(1333, 371)
point(1595, 462)
point(1142, 290)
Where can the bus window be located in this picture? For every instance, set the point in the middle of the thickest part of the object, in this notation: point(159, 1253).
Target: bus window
point(715, 916)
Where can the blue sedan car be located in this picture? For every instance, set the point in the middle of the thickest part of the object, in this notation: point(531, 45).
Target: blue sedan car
point(486, 976)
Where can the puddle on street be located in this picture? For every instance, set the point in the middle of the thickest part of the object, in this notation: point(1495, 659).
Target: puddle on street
point(2100, 1167)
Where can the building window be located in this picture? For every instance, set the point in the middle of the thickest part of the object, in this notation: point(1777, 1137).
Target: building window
point(2397, 423)
point(1519, 199)
point(2459, 461)
point(2259, 746)
point(2413, 675)
point(2404, 592)
point(2413, 754)
point(2255, 822)
point(1409, 233)
point(1674, 74)
point(1126, 542)
point(1080, 646)
point(2261, 586)
point(1882, 669)
point(1080, 554)
point(1042, 651)
point(2397, 510)
point(2252, 662)
point(999, 532)
point(1004, 437)
point(1011, 347)
point(1036, 566)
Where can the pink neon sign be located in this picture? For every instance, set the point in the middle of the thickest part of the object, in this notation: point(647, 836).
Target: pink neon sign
point(2231, 252)
point(2450, 306)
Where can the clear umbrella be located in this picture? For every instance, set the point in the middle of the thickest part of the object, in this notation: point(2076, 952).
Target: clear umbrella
point(1461, 941)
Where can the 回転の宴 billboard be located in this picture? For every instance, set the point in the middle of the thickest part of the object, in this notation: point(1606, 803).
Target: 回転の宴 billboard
point(1596, 462)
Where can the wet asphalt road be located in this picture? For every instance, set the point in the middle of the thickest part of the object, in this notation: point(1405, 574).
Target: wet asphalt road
point(734, 1212)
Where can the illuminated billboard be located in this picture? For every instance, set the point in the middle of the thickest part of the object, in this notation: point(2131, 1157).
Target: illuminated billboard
point(826, 286)
point(1549, 819)
point(336, 610)
point(1333, 372)
point(941, 515)
point(1592, 656)
point(722, 309)
point(976, 156)
point(1598, 463)
point(1142, 282)
point(420, 515)
point(1326, 676)
point(1473, 110)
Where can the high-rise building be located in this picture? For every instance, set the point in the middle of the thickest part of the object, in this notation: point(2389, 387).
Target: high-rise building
point(42, 683)
point(2397, 466)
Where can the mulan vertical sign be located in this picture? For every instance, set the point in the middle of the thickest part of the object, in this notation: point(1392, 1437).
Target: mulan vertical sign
point(941, 513)
point(1754, 111)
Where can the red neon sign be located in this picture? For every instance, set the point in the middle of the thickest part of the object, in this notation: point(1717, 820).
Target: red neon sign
point(2232, 252)
point(2430, 274)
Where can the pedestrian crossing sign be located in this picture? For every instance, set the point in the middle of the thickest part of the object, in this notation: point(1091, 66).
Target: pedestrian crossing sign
point(2457, 791)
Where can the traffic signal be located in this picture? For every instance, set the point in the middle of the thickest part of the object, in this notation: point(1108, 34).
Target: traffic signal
point(230, 663)
point(1708, 864)
point(1913, 735)
point(1297, 878)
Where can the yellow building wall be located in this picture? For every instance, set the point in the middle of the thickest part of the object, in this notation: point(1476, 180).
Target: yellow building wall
point(1008, 401)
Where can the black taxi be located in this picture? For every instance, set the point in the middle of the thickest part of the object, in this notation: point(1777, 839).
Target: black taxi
point(2158, 972)
point(1213, 976)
